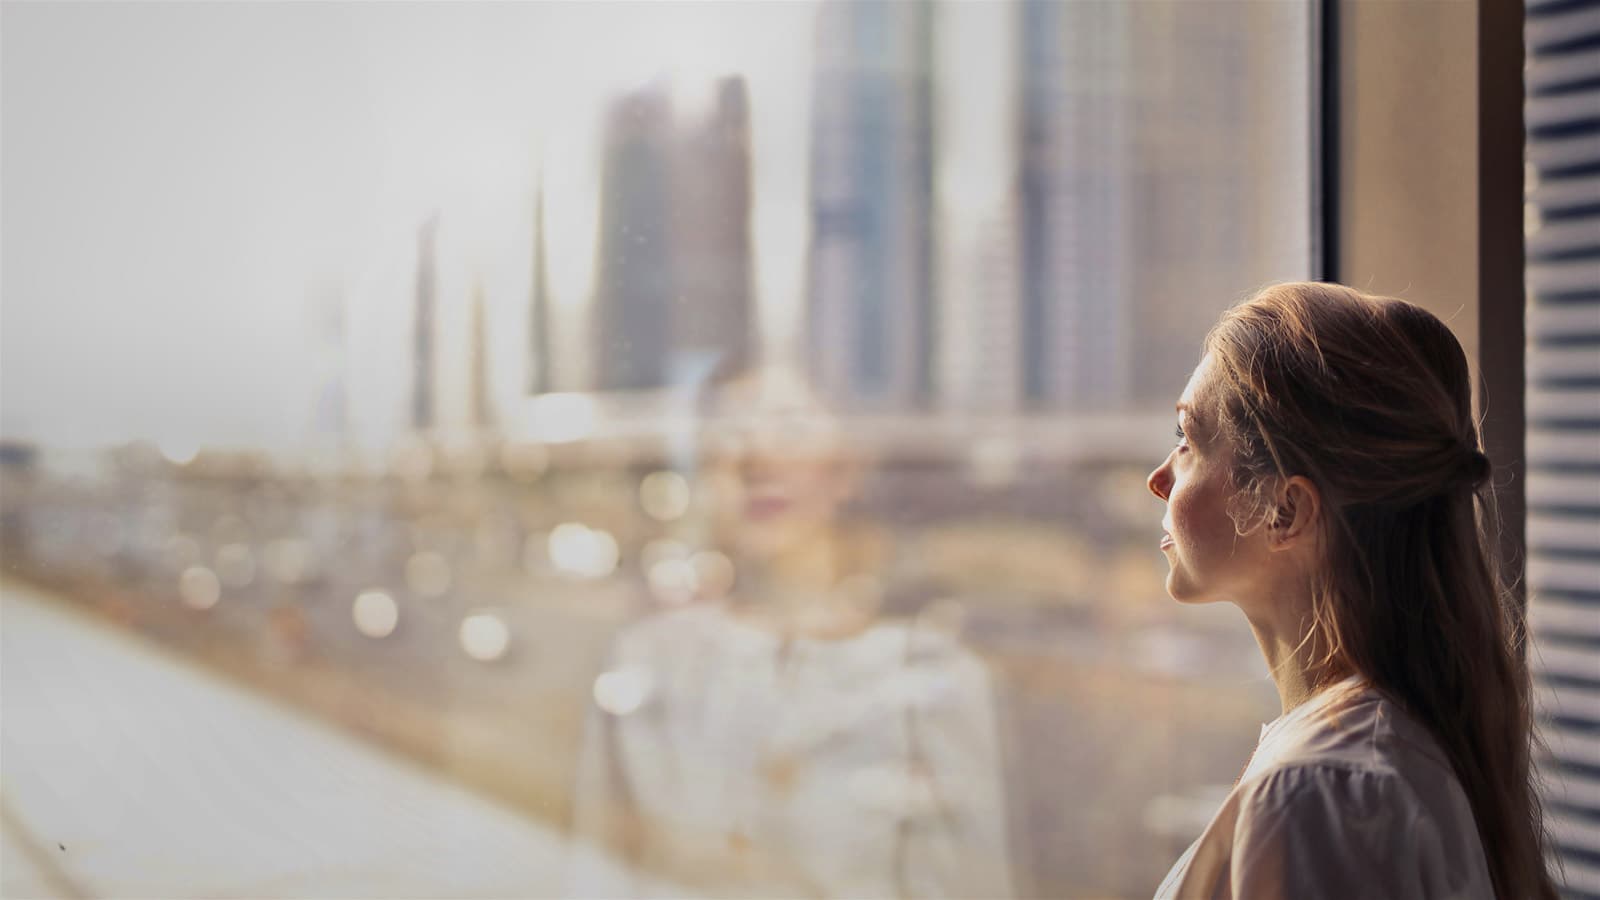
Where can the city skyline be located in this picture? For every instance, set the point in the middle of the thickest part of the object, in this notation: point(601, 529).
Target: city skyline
point(320, 139)
point(932, 270)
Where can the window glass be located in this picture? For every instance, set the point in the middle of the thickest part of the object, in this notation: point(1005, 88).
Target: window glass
point(622, 449)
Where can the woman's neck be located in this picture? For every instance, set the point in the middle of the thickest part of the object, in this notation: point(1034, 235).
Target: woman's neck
point(799, 592)
point(1282, 627)
point(1290, 674)
point(810, 564)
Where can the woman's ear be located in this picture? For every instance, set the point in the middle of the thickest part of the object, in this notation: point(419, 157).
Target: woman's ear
point(1297, 514)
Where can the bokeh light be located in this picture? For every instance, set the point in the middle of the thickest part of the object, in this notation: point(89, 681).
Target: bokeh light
point(484, 636)
point(236, 565)
point(583, 551)
point(375, 614)
point(664, 495)
point(199, 588)
point(672, 581)
point(714, 574)
point(622, 691)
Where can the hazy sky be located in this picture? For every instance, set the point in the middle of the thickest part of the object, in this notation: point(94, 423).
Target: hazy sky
point(182, 184)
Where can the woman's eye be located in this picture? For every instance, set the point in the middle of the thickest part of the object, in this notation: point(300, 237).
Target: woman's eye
point(1182, 439)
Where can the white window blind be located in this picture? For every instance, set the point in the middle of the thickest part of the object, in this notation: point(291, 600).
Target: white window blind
point(1563, 223)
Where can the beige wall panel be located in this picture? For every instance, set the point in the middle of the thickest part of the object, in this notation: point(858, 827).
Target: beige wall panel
point(1408, 200)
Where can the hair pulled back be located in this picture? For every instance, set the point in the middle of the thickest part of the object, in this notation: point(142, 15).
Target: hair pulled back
point(1370, 398)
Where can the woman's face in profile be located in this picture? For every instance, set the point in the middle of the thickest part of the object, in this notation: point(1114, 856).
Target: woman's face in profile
point(775, 464)
point(1209, 560)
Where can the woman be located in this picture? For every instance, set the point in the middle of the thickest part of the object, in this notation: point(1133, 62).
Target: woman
point(795, 738)
point(1327, 480)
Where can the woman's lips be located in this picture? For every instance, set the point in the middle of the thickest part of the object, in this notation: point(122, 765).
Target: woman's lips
point(766, 507)
point(1166, 540)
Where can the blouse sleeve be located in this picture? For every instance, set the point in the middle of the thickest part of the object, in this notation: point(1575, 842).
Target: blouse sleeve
point(1310, 832)
point(603, 842)
point(960, 850)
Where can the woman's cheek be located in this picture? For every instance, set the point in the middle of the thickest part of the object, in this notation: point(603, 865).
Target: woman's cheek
point(1197, 516)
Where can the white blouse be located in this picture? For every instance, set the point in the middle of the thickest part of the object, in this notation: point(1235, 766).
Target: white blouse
point(753, 767)
point(1346, 796)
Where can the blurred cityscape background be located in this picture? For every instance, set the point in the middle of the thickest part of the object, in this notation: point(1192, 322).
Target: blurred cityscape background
point(360, 354)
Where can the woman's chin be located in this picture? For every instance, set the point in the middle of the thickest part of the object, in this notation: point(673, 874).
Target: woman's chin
point(1186, 593)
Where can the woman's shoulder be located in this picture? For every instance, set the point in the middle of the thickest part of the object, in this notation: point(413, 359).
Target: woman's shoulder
point(1327, 829)
point(1361, 754)
point(1309, 783)
point(673, 632)
point(1356, 728)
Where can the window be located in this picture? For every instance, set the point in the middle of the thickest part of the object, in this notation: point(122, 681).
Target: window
point(715, 433)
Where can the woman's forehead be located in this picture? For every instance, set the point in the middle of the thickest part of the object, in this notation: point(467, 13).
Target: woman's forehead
point(769, 391)
point(1194, 393)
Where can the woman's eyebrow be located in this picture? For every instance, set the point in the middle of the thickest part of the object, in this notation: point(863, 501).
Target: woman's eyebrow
point(1195, 421)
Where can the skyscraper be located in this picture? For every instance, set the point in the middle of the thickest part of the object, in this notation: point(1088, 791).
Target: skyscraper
point(979, 310)
point(712, 312)
point(674, 286)
point(1076, 71)
point(481, 408)
point(870, 308)
point(1159, 140)
point(1220, 146)
point(635, 284)
point(541, 372)
point(423, 407)
point(330, 418)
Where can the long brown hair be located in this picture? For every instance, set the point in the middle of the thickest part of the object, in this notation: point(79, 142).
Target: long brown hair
point(1370, 398)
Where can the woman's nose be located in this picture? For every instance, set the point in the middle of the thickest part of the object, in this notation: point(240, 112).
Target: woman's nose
point(1160, 481)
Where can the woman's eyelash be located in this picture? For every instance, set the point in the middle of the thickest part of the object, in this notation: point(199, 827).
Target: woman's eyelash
point(1178, 432)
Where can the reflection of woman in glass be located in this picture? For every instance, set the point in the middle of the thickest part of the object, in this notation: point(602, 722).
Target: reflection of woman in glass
point(1328, 481)
point(787, 739)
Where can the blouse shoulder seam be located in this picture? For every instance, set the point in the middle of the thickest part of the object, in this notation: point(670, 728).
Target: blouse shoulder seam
point(1292, 767)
